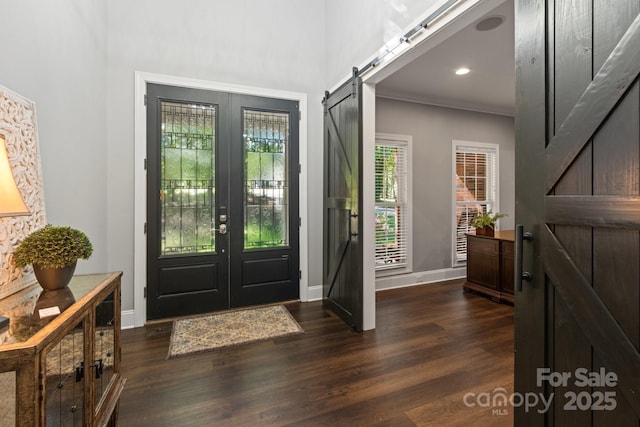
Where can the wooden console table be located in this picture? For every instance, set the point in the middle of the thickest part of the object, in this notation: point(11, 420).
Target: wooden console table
point(60, 354)
point(490, 265)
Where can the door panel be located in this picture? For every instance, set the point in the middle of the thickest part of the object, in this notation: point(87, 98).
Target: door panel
point(264, 201)
point(577, 114)
point(187, 265)
point(222, 201)
point(570, 348)
point(342, 269)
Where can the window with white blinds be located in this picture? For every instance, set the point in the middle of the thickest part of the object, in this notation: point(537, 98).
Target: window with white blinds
point(475, 189)
point(392, 195)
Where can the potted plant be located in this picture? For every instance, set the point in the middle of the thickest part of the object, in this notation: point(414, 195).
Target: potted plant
point(53, 252)
point(485, 222)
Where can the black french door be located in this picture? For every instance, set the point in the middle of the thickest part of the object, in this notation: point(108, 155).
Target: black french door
point(222, 201)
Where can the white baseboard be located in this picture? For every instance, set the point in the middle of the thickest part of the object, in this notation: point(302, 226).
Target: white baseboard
point(314, 293)
point(419, 278)
point(128, 319)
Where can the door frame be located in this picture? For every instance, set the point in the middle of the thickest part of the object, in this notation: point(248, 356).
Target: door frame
point(140, 174)
point(456, 18)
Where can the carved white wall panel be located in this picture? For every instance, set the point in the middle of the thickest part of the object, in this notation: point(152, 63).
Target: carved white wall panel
point(18, 127)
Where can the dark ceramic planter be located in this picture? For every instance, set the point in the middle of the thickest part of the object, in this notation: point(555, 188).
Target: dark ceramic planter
point(54, 278)
point(485, 231)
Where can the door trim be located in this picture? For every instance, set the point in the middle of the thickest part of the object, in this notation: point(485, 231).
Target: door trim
point(140, 175)
point(458, 17)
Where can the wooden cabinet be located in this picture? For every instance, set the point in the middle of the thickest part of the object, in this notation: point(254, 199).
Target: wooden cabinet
point(506, 269)
point(490, 265)
point(60, 354)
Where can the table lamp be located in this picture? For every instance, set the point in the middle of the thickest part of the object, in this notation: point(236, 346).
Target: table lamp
point(11, 203)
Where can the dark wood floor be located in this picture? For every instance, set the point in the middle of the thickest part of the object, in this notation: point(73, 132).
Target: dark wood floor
point(432, 345)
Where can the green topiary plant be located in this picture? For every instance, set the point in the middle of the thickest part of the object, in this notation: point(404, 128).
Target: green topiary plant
point(486, 219)
point(52, 247)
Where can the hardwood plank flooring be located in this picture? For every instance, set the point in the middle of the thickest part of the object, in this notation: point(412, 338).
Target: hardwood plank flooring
point(432, 345)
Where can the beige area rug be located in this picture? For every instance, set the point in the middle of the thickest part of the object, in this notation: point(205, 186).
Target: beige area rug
point(205, 333)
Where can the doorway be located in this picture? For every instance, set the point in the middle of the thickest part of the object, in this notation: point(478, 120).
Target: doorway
point(222, 200)
point(398, 78)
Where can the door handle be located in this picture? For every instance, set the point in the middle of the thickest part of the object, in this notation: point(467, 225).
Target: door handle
point(222, 229)
point(519, 275)
point(352, 217)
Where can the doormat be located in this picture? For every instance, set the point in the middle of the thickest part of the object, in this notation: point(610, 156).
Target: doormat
point(206, 333)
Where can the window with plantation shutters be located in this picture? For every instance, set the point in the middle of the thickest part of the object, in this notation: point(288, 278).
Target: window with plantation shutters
point(392, 195)
point(475, 189)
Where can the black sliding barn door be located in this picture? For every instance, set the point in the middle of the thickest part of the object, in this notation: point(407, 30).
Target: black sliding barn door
point(577, 119)
point(342, 251)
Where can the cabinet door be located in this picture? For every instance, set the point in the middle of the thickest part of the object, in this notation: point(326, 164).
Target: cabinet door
point(64, 376)
point(507, 267)
point(104, 347)
point(8, 402)
point(482, 261)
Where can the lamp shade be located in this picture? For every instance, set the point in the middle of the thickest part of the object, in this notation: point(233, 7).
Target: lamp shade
point(11, 203)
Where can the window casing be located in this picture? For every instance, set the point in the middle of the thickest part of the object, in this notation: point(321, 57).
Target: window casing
point(393, 204)
point(475, 189)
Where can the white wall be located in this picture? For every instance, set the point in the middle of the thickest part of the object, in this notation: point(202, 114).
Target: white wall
point(76, 59)
point(277, 44)
point(357, 29)
point(54, 53)
point(433, 130)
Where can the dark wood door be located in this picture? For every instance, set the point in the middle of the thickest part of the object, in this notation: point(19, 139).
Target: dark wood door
point(577, 119)
point(222, 201)
point(342, 258)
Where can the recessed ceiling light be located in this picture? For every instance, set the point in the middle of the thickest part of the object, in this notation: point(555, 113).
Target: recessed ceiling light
point(462, 71)
point(490, 23)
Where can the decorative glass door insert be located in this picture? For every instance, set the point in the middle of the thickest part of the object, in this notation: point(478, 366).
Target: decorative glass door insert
point(266, 198)
point(187, 194)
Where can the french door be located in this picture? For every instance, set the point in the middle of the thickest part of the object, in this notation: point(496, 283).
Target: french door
point(222, 201)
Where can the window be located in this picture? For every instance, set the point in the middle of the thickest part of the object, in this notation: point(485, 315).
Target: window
point(393, 210)
point(475, 188)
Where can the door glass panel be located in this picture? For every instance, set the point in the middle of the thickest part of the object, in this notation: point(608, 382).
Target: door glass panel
point(103, 358)
point(266, 198)
point(8, 392)
point(65, 374)
point(187, 190)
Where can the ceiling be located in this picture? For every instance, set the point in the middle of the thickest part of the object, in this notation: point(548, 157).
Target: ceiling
point(489, 87)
